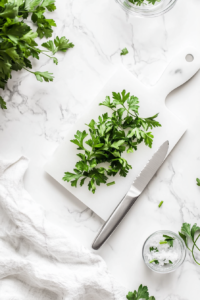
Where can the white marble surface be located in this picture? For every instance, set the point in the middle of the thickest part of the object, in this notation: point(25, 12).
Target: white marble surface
point(39, 114)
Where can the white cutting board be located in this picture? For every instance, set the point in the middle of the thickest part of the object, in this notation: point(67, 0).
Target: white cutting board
point(152, 101)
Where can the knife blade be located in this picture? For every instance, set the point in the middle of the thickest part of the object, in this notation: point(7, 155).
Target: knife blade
point(132, 195)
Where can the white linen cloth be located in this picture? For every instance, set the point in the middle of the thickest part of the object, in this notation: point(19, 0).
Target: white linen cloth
point(38, 260)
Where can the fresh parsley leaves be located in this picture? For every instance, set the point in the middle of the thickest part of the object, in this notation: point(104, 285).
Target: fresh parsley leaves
point(142, 293)
point(17, 39)
point(109, 137)
point(189, 233)
point(140, 2)
point(124, 51)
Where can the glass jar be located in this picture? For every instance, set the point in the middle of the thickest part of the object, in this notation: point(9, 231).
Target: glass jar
point(179, 249)
point(146, 9)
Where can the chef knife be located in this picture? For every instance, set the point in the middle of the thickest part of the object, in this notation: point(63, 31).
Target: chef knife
point(134, 192)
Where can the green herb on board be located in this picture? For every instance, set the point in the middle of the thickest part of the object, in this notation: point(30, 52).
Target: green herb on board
point(140, 2)
point(142, 293)
point(170, 262)
point(17, 39)
point(198, 181)
point(161, 203)
point(189, 233)
point(109, 137)
point(168, 240)
point(124, 51)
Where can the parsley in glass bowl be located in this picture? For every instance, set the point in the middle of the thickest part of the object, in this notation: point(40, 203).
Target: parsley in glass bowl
point(147, 8)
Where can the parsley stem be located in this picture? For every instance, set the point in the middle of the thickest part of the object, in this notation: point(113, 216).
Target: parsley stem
point(193, 250)
point(28, 70)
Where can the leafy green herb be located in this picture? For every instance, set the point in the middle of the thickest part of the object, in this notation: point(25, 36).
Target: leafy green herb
point(110, 136)
point(189, 233)
point(2, 103)
point(124, 51)
point(170, 262)
point(198, 181)
point(154, 261)
point(153, 249)
point(140, 2)
point(17, 39)
point(168, 240)
point(142, 293)
point(161, 203)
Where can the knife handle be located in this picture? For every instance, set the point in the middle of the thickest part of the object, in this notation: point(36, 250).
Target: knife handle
point(116, 217)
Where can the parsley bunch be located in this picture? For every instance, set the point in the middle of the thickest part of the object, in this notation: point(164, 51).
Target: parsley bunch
point(17, 40)
point(139, 2)
point(110, 136)
point(142, 293)
point(188, 233)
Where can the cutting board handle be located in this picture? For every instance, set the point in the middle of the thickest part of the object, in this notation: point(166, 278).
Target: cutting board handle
point(179, 70)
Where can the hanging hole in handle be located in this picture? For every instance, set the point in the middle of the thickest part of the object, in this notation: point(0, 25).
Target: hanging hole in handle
point(189, 57)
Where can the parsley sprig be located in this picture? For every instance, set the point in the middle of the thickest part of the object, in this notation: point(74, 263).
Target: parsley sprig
point(190, 233)
point(142, 293)
point(17, 39)
point(110, 136)
point(140, 2)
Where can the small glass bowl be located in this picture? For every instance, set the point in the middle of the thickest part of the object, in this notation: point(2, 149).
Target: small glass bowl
point(168, 268)
point(147, 10)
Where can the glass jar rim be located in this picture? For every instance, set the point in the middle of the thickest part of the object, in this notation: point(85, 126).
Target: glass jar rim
point(149, 12)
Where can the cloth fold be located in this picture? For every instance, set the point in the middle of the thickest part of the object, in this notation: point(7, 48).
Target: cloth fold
point(37, 257)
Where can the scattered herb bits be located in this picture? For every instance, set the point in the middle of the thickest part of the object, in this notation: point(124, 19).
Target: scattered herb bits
point(124, 51)
point(161, 203)
point(108, 137)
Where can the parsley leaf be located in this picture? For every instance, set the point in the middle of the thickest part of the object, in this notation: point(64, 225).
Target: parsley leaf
point(168, 240)
point(153, 249)
point(59, 44)
point(142, 293)
point(124, 51)
point(2, 103)
point(110, 136)
point(46, 76)
point(198, 181)
point(17, 39)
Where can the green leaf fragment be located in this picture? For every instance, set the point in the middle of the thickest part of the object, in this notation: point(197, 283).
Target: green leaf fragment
point(198, 181)
point(110, 183)
point(124, 51)
point(46, 76)
point(2, 103)
point(161, 203)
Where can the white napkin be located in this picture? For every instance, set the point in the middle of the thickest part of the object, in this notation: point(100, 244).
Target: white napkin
point(37, 259)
